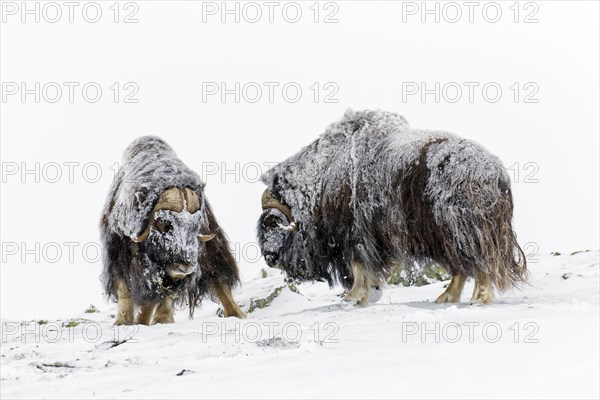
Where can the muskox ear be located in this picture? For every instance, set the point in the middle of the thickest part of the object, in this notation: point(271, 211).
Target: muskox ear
point(142, 213)
point(140, 197)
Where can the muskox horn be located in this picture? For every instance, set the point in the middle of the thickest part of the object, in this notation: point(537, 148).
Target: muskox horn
point(269, 202)
point(192, 200)
point(143, 236)
point(172, 200)
point(206, 238)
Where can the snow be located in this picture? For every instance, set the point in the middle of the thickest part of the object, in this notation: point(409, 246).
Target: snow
point(149, 167)
point(548, 345)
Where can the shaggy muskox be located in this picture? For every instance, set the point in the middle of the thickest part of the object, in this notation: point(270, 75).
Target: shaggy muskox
point(161, 241)
point(371, 192)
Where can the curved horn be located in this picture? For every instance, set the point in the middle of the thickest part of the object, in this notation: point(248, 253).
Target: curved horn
point(269, 202)
point(144, 235)
point(206, 238)
point(171, 199)
point(191, 199)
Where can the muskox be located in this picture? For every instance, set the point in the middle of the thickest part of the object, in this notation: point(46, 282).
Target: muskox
point(161, 242)
point(371, 192)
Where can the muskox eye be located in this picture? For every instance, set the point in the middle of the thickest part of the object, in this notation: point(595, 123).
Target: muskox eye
point(162, 225)
point(271, 223)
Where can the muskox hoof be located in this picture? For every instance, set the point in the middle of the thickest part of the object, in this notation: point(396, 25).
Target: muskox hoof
point(362, 297)
point(237, 313)
point(123, 321)
point(483, 293)
point(358, 300)
point(447, 298)
point(163, 319)
point(482, 300)
point(453, 291)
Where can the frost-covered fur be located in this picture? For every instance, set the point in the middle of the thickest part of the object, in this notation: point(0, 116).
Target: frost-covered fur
point(371, 191)
point(140, 270)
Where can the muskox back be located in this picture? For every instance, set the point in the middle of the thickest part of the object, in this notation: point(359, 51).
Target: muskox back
point(373, 190)
point(149, 166)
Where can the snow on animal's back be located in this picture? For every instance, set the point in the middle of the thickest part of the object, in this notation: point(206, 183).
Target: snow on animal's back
point(370, 152)
point(385, 151)
point(149, 167)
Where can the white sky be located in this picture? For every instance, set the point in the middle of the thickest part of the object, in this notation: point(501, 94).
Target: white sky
point(369, 56)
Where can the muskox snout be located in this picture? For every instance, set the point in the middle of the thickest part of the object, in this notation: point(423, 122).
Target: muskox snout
point(180, 271)
point(272, 260)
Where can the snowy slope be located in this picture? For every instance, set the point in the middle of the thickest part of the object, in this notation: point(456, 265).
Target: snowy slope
point(541, 341)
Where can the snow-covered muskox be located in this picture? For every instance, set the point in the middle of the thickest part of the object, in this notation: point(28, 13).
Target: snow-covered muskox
point(161, 241)
point(371, 192)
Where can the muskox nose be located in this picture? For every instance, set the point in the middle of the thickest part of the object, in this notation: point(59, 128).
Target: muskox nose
point(179, 270)
point(271, 259)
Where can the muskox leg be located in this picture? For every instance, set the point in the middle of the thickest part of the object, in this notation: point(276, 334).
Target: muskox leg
point(364, 280)
point(164, 312)
point(453, 291)
point(230, 308)
point(144, 316)
point(124, 305)
point(358, 291)
point(484, 291)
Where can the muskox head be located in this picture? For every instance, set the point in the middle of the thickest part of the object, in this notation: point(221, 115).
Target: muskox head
point(275, 228)
point(170, 240)
point(283, 242)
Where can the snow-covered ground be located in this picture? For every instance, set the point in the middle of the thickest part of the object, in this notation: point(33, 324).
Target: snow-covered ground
point(537, 342)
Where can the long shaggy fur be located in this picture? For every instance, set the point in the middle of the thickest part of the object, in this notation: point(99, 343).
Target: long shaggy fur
point(374, 191)
point(149, 167)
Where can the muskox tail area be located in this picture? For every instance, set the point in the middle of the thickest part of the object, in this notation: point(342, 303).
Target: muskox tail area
point(479, 234)
point(507, 262)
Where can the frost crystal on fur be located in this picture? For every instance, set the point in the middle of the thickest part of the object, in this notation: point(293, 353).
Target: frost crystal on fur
point(374, 191)
point(149, 168)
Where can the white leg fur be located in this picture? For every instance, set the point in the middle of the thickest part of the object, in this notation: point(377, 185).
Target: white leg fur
point(164, 312)
point(453, 291)
point(364, 280)
point(124, 306)
point(483, 292)
point(144, 316)
point(230, 308)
